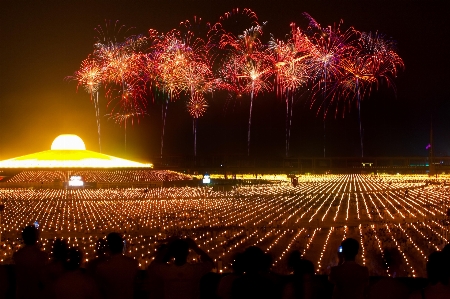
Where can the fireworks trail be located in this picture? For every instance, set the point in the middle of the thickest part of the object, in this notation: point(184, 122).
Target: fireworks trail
point(246, 68)
point(337, 67)
point(196, 107)
point(330, 44)
point(90, 76)
point(122, 118)
point(195, 72)
point(286, 78)
point(232, 23)
point(128, 104)
point(197, 77)
point(373, 59)
point(167, 55)
point(122, 70)
point(112, 62)
point(122, 62)
point(324, 68)
point(164, 108)
point(182, 66)
point(195, 29)
point(291, 70)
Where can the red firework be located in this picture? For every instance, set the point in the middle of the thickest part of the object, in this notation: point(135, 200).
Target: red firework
point(246, 68)
point(197, 105)
point(338, 66)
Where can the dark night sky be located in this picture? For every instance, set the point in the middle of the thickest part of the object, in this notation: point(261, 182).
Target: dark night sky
point(42, 42)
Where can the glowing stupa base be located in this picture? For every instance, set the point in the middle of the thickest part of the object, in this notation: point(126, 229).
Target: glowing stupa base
point(69, 151)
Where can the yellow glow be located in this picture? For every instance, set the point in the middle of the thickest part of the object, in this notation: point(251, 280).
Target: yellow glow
point(68, 142)
point(69, 151)
point(70, 159)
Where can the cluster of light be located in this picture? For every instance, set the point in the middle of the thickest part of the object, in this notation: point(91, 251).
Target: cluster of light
point(310, 240)
point(111, 162)
point(101, 176)
point(69, 151)
point(288, 247)
point(280, 235)
point(324, 248)
point(429, 239)
point(440, 236)
point(381, 250)
point(362, 242)
point(275, 217)
point(197, 105)
point(400, 250)
point(197, 58)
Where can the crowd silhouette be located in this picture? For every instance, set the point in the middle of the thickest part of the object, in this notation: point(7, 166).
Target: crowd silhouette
point(181, 269)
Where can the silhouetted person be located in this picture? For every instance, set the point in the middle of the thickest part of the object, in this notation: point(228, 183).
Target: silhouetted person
point(55, 268)
point(256, 282)
point(180, 278)
point(117, 275)
point(300, 283)
point(29, 265)
point(225, 284)
point(75, 284)
point(101, 255)
point(4, 282)
point(209, 284)
point(393, 260)
point(437, 277)
point(390, 287)
point(350, 279)
point(154, 285)
point(446, 252)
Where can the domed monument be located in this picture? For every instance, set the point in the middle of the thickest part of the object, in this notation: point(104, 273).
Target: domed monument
point(68, 151)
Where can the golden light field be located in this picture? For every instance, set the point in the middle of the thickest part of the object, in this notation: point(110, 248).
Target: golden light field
point(396, 218)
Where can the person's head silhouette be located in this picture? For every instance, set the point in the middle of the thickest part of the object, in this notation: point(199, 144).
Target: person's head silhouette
point(74, 258)
point(446, 249)
point(30, 235)
point(300, 265)
point(179, 250)
point(238, 263)
point(436, 268)
point(115, 243)
point(254, 260)
point(59, 250)
point(446, 252)
point(350, 249)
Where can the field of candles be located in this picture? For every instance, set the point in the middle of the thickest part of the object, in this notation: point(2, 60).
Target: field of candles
point(398, 219)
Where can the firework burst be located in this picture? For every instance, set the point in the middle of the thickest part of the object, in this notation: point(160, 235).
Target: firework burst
point(291, 70)
point(330, 45)
point(196, 106)
point(181, 66)
point(128, 104)
point(90, 77)
point(246, 68)
point(372, 60)
point(337, 67)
